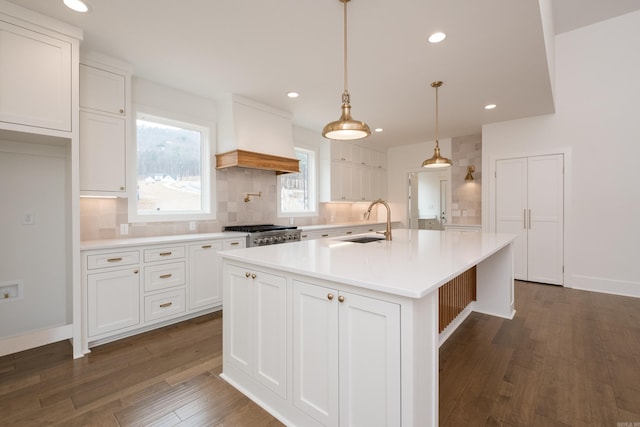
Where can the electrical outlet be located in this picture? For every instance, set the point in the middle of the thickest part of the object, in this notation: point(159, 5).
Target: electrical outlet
point(192, 226)
point(27, 217)
point(124, 229)
point(10, 291)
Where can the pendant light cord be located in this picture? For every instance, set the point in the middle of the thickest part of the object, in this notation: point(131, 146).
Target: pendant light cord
point(437, 133)
point(344, 59)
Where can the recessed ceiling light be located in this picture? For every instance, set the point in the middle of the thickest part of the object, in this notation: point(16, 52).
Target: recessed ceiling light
point(437, 37)
point(377, 130)
point(77, 5)
point(293, 94)
point(490, 106)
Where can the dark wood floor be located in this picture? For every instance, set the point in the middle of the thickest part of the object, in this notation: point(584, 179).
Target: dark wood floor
point(569, 358)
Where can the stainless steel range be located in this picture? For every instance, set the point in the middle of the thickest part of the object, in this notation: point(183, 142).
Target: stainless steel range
point(267, 234)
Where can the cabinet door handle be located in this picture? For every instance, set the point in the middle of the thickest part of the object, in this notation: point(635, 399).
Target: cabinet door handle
point(341, 298)
point(253, 276)
point(247, 274)
point(235, 243)
point(166, 304)
point(524, 220)
point(135, 271)
point(529, 219)
point(166, 276)
point(330, 296)
point(206, 246)
point(122, 111)
point(165, 253)
point(114, 259)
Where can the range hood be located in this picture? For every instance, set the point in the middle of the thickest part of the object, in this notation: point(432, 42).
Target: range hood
point(254, 135)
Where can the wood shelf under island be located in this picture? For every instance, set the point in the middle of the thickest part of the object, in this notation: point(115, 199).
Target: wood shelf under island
point(330, 332)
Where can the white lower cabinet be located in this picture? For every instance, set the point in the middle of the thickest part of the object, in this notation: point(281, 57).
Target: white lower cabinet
point(314, 354)
point(141, 287)
point(346, 357)
point(113, 300)
point(258, 325)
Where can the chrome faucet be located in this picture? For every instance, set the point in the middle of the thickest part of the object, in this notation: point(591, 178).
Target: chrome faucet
point(367, 214)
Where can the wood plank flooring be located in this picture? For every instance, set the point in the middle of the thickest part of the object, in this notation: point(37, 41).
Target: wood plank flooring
point(568, 358)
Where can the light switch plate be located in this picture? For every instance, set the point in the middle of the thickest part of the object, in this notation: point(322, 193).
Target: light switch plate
point(27, 217)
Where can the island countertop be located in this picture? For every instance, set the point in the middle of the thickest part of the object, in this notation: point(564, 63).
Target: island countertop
point(413, 264)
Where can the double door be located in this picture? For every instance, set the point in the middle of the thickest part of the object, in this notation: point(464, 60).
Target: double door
point(346, 357)
point(529, 203)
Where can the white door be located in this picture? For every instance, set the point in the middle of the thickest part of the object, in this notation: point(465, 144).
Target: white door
point(204, 274)
point(511, 208)
point(369, 357)
point(270, 326)
point(545, 219)
point(529, 203)
point(315, 352)
point(238, 319)
point(113, 300)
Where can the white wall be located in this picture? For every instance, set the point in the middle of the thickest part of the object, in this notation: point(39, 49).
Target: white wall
point(33, 178)
point(402, 160)
point(597, 126)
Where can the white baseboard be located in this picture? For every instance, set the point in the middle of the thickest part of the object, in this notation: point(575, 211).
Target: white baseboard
point(603, 285)
point(451, 327)
point(34, 339)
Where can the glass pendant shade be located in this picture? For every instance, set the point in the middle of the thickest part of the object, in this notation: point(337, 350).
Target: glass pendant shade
point(436, 161)
point(346, 128)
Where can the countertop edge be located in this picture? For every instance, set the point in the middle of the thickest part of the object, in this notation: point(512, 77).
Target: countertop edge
point(156, 240)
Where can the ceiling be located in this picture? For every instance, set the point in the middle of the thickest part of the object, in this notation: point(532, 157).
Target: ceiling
point(494, 53)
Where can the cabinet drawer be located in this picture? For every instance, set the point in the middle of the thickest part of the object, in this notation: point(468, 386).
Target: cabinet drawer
point(161, 254)
point(114, 259)
point(164, 276)
point(163, 305)
point(234, 244)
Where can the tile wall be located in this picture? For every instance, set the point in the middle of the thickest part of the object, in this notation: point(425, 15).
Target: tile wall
point(466, 196)
point(101, 218)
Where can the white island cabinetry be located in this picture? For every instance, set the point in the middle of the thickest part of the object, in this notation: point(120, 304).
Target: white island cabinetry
point(332, 335)
point(358, 325)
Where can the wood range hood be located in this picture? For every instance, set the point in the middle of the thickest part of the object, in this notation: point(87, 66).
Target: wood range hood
point(256, 136)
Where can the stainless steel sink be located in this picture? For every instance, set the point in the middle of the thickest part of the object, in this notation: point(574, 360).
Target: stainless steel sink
point(364, 239)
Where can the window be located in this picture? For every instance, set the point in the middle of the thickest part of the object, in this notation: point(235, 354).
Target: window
point(172, 170)
point(298, 190)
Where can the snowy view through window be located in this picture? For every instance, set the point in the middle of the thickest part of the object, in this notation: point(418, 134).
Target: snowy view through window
point(169, 168)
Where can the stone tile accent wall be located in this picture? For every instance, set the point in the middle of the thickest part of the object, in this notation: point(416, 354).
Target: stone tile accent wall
point(101, 218)
point(466, 196)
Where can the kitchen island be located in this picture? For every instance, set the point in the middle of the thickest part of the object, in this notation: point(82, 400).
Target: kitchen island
point(330, 332)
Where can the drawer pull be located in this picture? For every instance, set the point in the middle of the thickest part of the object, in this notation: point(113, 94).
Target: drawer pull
point(235, 243)
point(166, 276)
point(349, 232)
point(325, 235)
point(114, 259)
point(165, 253)
point(166, 304)
point(304, 236)
point(206, 246)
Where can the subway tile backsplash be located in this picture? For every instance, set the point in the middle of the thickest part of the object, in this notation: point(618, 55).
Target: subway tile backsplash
point(101, 218)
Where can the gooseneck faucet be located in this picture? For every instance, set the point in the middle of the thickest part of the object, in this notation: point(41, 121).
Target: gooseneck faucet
point(387, 234)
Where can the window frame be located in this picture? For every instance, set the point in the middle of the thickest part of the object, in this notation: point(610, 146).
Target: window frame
point(313, 173)
point(207, 168)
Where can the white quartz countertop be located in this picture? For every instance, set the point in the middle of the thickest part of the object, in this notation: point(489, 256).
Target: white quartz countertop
point(413, 264)
point(157, 240)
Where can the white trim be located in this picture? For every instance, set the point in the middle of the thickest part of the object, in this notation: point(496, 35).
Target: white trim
point(34, 339)
point(453, 326)
point(604, 285)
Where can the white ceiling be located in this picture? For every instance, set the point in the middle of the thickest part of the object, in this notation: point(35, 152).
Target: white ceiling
point(261, 49)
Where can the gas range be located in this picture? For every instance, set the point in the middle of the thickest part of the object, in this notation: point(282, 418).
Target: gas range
point(267, 234)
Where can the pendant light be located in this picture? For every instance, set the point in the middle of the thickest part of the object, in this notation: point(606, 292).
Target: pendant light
point(346, 127)
point(437, 161)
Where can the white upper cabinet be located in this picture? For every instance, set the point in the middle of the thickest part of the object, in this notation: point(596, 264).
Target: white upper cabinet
point(102, 90)
point(35, 78)
point(104, 126)
point(352, 173)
